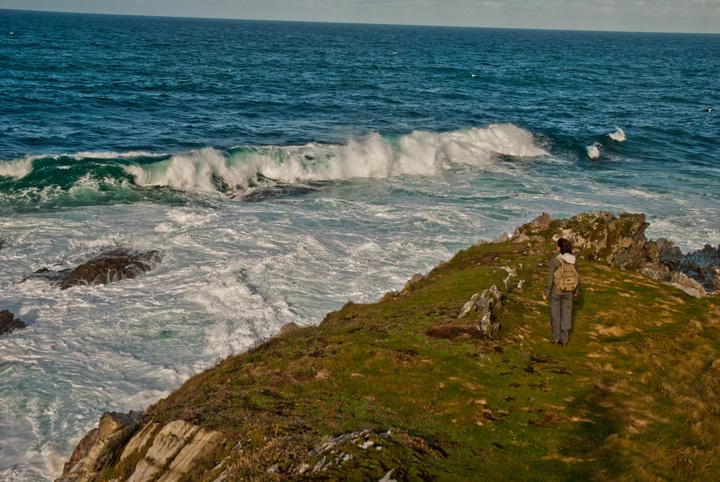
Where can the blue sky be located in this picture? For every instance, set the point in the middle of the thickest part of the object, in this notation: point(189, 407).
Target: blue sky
point(636, 15)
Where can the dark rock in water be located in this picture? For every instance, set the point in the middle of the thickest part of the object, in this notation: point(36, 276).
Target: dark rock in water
point(112, 266)
point(115, 265)
point(9, 323)
point(269, 192)
point(220, 183)
point(54, 277)
point(702, 265)
point(2, 243)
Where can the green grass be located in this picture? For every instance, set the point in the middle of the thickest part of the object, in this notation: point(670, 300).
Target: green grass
point(635, 396)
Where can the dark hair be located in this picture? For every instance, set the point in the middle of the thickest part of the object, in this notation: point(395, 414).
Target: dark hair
point(564, 245)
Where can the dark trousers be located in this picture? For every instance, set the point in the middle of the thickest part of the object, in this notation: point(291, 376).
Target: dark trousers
point(561, 312)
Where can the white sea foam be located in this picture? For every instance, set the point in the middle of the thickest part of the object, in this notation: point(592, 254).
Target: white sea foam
point(618, 135)
point(373, 156)
point(21, 167)
point(114, 155)
point(593, 151)
point(417, 154)
point(17, 168)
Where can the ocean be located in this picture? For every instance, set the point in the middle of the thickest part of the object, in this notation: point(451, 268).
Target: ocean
point(286, 168)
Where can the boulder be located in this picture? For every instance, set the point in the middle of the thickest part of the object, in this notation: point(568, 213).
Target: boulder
point(115, 265)
point(9, 323)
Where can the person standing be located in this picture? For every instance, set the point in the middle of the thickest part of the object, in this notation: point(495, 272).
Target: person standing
point(562, 286)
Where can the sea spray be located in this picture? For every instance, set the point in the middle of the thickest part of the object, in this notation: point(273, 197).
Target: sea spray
point(17, 168)
point(593, 151)
point(618, 135)
point(121, 176)
point(372, 157)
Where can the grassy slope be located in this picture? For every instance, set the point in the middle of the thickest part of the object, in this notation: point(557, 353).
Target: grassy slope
point(634, 396)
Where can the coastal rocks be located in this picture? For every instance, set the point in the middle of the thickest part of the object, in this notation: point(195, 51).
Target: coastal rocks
point(486, 304)
point(687, 284)
point(702, 265)
point(411, 285)
point(288, 328)
point(489, 300)
point(512, 281)
point(336, 451)
point(8, 322)
point(620, 241)
point(96, 450)
point(115, 265)
point(534, 227)
point(174, 452)
point(268, 192)
point(162, 453)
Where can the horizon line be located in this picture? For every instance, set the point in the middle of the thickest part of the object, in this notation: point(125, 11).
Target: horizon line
point(336, 22)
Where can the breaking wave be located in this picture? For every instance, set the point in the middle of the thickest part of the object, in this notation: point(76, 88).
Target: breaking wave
point(374, 156)
point(18, 168)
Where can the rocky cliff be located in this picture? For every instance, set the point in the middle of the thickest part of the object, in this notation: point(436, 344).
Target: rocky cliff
point(454, 376)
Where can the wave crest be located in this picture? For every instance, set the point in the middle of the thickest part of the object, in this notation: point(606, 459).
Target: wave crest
point(18, 168)
point(618, 135)
point(420, 153)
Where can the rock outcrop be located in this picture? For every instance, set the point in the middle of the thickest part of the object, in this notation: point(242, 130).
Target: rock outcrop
point(288, 328)
point(620, 241)
point(97, 449)
point(485, 305)
point(115, 265)
point(155, 452)
point(8, 322)
point(170, 452)
point(702, 265)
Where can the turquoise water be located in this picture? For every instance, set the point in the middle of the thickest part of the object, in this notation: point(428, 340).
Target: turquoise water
point(369, 153)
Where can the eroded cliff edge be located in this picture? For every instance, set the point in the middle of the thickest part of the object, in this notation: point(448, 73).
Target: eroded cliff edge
point(454, 376)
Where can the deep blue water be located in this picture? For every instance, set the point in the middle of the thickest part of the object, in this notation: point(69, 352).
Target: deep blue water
point(370, 152)
point(74, 83)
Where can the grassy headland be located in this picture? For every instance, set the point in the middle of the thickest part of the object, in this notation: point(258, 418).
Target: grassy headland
point(634, 396)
